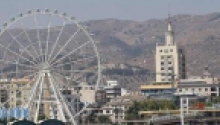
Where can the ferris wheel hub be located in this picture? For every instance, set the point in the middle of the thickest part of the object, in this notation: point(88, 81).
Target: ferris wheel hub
point(44, 66)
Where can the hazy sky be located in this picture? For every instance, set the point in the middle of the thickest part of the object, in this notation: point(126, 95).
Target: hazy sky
point(121, 9)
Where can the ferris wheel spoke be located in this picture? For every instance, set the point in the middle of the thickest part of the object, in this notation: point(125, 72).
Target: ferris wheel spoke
point(73, 71)
point(57, 74)
point(16, 63)
point(48, 37)
point(23, 48)
point(73, 51)
point(66, 43)
point(15, 72)
point(67, 102)
point(65, 106)
point(4, 55)
point(15, 53)
point(39, 99)
point(60, 75)
point(54, 88)
point(73, 62)
point(33, 74)
point(38, 37)
point(67, 33)
point(33, 90)
point(7, 101)
point(57, 39)
point(29, 39)
point(9, 73)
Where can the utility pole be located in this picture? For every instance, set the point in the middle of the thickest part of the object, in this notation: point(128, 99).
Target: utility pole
point(184, 107)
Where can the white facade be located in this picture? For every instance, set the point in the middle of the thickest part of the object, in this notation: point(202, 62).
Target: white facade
point(87, 93)
point(112, 83)
point(122, 104)
point(124, 92)
point(170, 59)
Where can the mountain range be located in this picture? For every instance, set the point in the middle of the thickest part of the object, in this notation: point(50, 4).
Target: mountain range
point(134, 42)
point(127, 47)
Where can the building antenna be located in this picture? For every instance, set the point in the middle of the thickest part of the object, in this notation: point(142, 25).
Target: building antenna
point(169, 12)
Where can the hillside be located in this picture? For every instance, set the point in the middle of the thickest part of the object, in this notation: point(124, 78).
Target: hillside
point(134, 42)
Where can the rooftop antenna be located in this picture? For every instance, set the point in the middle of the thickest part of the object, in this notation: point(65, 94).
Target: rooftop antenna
point(169, 15)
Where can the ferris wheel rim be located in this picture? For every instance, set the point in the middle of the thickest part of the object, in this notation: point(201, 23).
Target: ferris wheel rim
point(62, 15)
point(72, 19)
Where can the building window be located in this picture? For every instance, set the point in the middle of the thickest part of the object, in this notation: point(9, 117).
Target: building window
point(213, 89)
point(213, 94)
point(161, 50)
point(171, 50)
point(200, 89)
point(162, 68)
point(162, 63)
point(170, 68)
point(165, 51)
point(107, 111)
point(162, 57)
point(180, 90)
point(206, 89)
point(168, 57)
point(169, 62)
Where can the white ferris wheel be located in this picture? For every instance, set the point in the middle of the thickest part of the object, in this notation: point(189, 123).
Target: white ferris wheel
point(55, 53)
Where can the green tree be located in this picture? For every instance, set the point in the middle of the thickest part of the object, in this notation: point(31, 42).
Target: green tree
point(133, 110)
point(3, 121)
point(103, 119)
point(216, 100)
point(207, 104)
point(117, 111)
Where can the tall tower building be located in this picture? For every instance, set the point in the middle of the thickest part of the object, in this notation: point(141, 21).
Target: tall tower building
point(170, 59)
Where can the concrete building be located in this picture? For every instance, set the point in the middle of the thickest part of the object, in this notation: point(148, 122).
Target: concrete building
point(198, 86)
point(4, 94)
point(158, 88)
point(170, 59)
point(121, 104)
point(17, 90)
point(111, 83)
point(206, 85)
point(100, 97)
point(113, 90)
point(86, 92)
